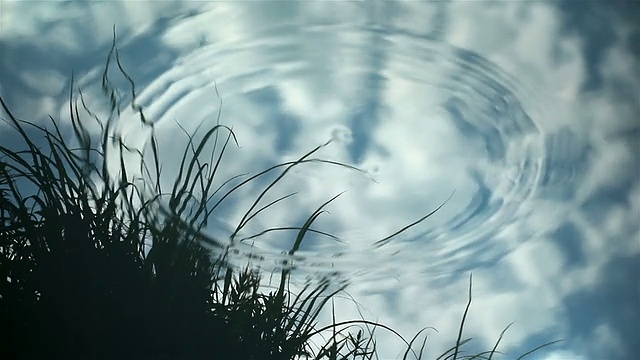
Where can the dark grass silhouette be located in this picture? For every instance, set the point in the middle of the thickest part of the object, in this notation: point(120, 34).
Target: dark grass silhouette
point(94, 266)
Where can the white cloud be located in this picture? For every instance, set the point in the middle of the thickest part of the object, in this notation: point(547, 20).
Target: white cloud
point(561, 355)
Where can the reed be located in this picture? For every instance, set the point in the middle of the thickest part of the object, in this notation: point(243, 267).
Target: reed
point(94, 265)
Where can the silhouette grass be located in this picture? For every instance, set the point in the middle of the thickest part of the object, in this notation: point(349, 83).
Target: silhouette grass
point(94, 265)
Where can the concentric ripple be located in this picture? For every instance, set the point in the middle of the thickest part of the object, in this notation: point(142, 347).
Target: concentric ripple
point(428, 122)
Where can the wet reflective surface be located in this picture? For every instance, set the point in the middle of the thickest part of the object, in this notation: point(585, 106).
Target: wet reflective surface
point(521, 120)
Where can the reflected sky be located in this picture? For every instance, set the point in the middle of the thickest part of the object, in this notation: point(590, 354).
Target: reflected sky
point(523, 117)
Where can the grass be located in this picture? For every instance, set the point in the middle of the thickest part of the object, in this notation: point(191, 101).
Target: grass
point(100, 266)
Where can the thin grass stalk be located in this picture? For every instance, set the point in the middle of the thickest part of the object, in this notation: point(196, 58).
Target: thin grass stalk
point(464, 317)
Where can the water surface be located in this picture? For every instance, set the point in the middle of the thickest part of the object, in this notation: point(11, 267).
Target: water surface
point(520, 118)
